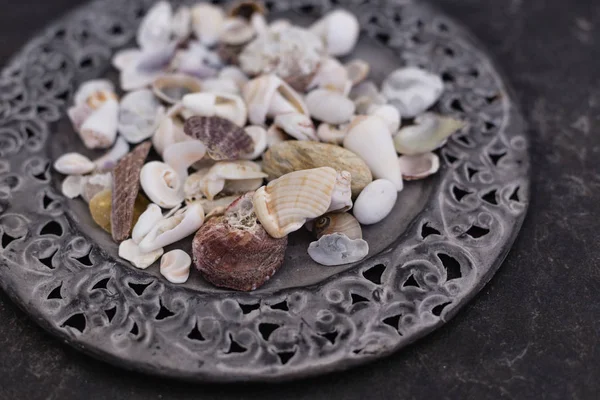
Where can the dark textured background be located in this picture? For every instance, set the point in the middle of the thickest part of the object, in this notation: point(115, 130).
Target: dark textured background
point(533, 332)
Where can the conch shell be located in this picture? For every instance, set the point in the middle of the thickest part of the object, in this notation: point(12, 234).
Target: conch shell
point(162, 184)
point(285, 204)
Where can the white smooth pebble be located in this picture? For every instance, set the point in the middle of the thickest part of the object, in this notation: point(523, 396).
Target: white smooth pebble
point(375, 202)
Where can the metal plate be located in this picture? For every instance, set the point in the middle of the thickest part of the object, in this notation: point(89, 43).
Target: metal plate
point(445, 239)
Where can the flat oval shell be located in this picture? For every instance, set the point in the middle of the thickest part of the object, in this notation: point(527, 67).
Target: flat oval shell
point(375, 202)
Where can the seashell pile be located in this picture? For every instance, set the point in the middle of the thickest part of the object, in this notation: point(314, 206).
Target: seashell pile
point(258, 131)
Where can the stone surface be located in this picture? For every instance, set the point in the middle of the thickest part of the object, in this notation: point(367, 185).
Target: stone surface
point(291, 155)
point(545, 347)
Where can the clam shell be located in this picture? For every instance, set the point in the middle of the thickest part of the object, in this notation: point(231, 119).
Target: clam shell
point(375, 202)
point(130, 251)
point(184, 223)
point(224, 105)
point(224, 140)
point(99, 130)
point(155, 28)
point(94, 93)
point(329, 106)
point(338, 249)
point(418, 167)
point(72, 186)
point(109, 160)
point(207, 23)
point(389, 114)
point(330, 134)
point(236, 32)
point(268, 96)
point(290, 156)
point(341, 198)
point(74, 164)
point(139, 115)
point(370, 139)
point(94, 184)
point(161, 184)
point(430, 132)
point(171, 88)
point(197, 61)
point(175, 266)
point(284, 205)
point(146, 222)
point(357, 70)
point(259, 138)
point(412, 90)
point(297, 125)
point(180, 156)
point(339, 30)
point(234, 251)
point(337, 223)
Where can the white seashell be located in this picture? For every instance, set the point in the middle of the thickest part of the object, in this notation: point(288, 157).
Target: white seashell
point(175, 266)
point(184, 223)
point(339, 30)
point(222, 202)
point(161, 184)
point(236, 32)
point(259, 23)
point(332, 75)
point(275, 135)
point(389, 114)
point(171, 88)
point(94, 184)
point(412, 90)
point(74, 164)
point(224, 105)
point(146, 222)
point(375, 202)
point(72, 186)
point(259, 137)
point(130, 251)
point(197, 61)
point(268, 96)
point(180, 156)
point(94, 93)
point(297, 125)
point(430, 132)
point(169, 131)
point(235, 74)
point(329, 106)
point(108, 161)
point(139, 116)
point(125, 58)
point(418, 167)
point(330, 134)
point(279, 25)
point(181, 24)
point(338, 249)
point(341, 198)
point(286, 203)
point(78, 115)
point(212, 182)
point(221, 85)
point(100, 129)
point(155, 29)
point(357, 70)
point(343, 223)
point(370, 139)
point(365, 95)
point(143, 68)
point(207, 23)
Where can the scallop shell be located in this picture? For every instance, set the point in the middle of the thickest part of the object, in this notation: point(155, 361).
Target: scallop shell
point(330, 134)
point(155, 28)
point(297, 125)
point(389, 114)
point(339, 30)
point(149, 218)
point(94, 93)
point(337, 223)
point(224, 105)
point(99, 130)
point(184, 223)
point(375, 202)
point(224, 140)
point(430, 132)
point(329, 106)
point(161, 184)
point(412, 90)
point(418, 167)
point(338, 249)
point(172, 87)
point(357, 70)
point(259, 138)
point(130, 251)
point(74, 164)
point(341, 198)
point(370, 139)
point(207, 23)
point(284, 205)
point(235, 251)
point(109, 160)
point(175, 266)
point(268, 96)
point(139, 115)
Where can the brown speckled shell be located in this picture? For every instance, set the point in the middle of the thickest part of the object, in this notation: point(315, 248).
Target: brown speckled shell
point(223, 139)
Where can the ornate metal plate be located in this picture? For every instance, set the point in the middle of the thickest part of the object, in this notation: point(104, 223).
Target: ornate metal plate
point(444, 241)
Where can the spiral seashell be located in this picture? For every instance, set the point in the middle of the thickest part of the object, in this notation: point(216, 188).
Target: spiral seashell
point(339, 30)
point(430, 132)
point(162, 184)
point(223, 139)
point(338, 249)
point(412, 90)
point(223, 105)
point(74, 164)
point(337, 223)
point(297, 125)
point(130, 251)
point(175, 266)
point(171, 88)
point(207, 23)
point(329, 106)
point(184, 223)
point(234, 251)
point(139, 116)
point(284, 205)
point(99, 130)
point(418, 167)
